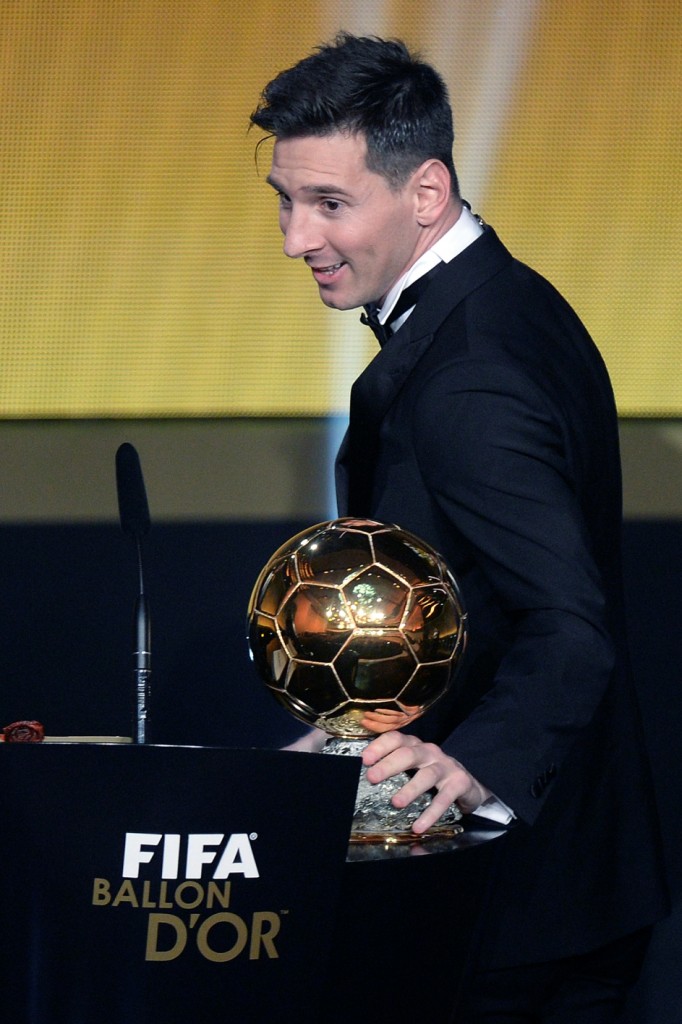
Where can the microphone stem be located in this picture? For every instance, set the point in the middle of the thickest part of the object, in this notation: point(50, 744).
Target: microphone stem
point(140, 576)
point(141, 660)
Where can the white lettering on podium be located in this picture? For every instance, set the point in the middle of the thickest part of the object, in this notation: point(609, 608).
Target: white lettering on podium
point(237, 857)
point(198, 853)
point(171, 856)
point(238, 846)
point(134, 854)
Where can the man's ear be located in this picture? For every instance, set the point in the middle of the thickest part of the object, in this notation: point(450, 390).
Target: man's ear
point(433, 191)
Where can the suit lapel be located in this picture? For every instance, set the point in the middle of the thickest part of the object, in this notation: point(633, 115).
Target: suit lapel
point(376, 388)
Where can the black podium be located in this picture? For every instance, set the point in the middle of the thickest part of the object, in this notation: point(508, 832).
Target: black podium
point(148, 885)
point(151, 884)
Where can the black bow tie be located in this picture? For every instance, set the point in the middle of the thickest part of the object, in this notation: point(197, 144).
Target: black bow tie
point(370, 318)
point(406, 300)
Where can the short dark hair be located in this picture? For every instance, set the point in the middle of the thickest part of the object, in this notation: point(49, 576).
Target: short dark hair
point(369, 86)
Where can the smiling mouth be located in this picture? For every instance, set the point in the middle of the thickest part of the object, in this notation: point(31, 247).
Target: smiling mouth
point(328, 271)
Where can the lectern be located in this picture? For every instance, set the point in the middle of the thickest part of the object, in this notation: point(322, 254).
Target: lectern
point(153, 884)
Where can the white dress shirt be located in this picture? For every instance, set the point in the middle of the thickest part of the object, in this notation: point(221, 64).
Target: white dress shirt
point(463, 232)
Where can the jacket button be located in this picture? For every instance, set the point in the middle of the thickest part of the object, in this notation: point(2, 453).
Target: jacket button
point(542, 781)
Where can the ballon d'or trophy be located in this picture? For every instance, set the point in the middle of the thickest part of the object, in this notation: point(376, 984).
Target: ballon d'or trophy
point(357, 627)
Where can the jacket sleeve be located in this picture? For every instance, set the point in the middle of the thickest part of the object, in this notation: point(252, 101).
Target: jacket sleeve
point(494, 456)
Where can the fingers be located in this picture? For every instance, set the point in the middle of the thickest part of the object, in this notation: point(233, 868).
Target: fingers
point(474, 797)
point(434, 770)
point(389, 754)
point(386, 744)
point(395, 752)
point(459, 787)
point(429, 817)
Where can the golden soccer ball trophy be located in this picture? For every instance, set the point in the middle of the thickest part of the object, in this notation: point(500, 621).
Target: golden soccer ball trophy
point(357, 627)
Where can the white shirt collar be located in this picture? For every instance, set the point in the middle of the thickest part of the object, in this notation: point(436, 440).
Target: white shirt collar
point(463, 232)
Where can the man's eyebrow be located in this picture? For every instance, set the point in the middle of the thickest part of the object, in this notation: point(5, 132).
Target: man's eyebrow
point(319, 190)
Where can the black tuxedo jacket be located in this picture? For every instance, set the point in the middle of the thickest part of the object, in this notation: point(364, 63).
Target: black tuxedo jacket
point(487, 427)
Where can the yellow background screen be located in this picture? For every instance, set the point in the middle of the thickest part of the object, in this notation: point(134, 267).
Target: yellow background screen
point(142, 272)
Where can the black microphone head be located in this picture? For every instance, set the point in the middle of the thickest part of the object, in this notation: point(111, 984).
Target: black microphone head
point(132, 496)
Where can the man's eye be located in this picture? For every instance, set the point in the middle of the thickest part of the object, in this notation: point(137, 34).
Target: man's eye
point(331, 205)
point(283, 199)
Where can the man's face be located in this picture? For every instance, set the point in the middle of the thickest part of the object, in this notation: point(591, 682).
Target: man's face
point(357, 235)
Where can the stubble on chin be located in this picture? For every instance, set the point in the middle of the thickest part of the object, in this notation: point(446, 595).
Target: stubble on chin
point(334, 302)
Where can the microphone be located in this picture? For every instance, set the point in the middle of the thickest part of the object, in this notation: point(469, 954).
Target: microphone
point(134, 516)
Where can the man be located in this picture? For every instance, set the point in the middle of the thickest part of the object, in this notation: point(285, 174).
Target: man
point(485, 425)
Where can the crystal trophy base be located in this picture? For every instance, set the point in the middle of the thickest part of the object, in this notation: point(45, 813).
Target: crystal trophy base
point(376, 820)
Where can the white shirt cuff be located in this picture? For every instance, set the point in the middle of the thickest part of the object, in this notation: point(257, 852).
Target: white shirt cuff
point(495, 810)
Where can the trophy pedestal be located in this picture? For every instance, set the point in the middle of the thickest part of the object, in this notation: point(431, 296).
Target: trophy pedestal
point(375, 819)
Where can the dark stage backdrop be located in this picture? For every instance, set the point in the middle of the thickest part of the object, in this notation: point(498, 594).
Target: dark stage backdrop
point(66, 603)
point(66, 607)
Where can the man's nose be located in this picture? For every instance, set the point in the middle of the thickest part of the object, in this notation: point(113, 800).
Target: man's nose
point(300, 235)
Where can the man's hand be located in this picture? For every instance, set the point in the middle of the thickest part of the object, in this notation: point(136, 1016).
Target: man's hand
point(395, 752)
